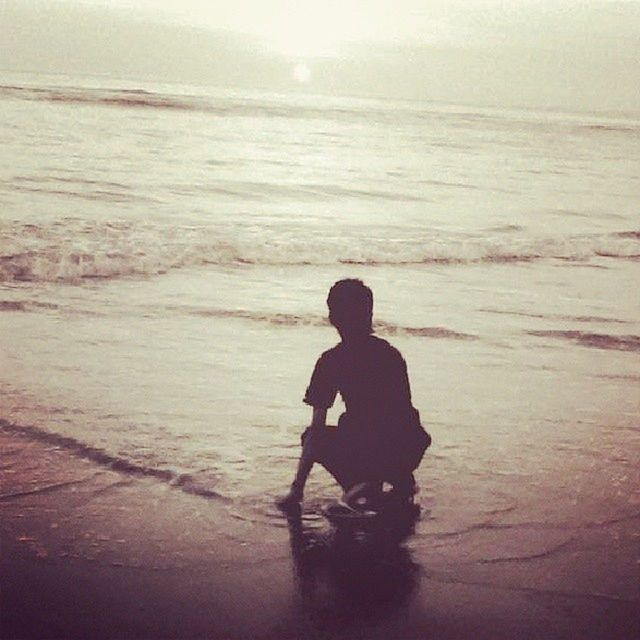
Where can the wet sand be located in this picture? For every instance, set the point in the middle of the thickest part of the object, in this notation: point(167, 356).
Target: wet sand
point(88, 552)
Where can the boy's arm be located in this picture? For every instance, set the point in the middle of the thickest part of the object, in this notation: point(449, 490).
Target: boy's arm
point(319, 418)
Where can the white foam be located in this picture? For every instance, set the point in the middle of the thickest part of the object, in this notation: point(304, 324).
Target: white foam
point(74, 251)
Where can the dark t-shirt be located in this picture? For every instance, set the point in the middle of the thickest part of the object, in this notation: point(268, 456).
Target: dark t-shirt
point(371, 376)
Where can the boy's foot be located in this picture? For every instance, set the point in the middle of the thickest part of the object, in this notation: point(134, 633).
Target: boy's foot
point(341, 510)
point(364, 496)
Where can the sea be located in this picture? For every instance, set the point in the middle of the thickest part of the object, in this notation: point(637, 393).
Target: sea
point(165, 255)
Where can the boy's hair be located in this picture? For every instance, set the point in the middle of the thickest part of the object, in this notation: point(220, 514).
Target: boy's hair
point(350, 304)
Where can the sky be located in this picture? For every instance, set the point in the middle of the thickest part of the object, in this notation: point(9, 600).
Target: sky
point(566, 54)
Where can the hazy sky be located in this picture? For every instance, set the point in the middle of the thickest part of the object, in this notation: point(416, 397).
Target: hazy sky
point(563, 53)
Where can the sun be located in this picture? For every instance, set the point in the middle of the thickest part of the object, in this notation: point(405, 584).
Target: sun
point(301, 73)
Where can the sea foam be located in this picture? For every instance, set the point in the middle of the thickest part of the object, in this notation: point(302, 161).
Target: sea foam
point(74, 251)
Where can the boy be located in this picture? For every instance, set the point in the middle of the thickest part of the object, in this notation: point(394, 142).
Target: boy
point(379, 437)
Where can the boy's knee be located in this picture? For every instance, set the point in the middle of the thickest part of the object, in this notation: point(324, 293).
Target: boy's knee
point(312, 441)
point(309, 435)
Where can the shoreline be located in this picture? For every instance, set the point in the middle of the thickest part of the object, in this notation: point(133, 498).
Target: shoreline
point(92, 552)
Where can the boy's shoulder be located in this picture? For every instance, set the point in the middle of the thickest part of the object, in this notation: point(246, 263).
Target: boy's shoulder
point(387, 350)
point(372, 344)
point(331, 353)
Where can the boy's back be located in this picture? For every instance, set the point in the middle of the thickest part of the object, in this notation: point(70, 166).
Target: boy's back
point(371, 376)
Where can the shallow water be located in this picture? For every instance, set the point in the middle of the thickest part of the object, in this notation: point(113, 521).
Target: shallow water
point(164, 259)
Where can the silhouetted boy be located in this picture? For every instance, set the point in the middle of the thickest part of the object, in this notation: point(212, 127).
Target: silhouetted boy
point(379, 437)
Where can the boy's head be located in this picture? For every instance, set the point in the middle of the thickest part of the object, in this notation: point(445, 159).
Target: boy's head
point(350, 305)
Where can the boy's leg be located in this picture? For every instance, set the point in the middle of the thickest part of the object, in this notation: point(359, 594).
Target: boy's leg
point(325, 446)
point(404, 487)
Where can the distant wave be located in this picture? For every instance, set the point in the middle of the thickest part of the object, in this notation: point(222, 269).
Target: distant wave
point(72, 250)
point(76, 187)
point(267, 107)
point(12, 305)
point(274, 107)
point(276, 319)
point(594, 340)
point(261, 191)
point(140, 98)
point(618, 128)
point(286, 319)
point(635, 235)
point(108, 97)
point(423, 332)
point(556, 316)
point(184, 482)
point(20, 305)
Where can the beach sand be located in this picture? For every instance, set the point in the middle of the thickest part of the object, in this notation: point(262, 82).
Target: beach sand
point(88, 552)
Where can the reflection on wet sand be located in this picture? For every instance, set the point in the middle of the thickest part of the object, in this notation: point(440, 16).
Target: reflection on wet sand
point(345, 574)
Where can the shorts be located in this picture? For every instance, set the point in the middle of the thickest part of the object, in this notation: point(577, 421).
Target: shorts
point(351, 459)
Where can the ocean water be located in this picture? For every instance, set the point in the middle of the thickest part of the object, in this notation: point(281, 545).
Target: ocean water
point(165, 254)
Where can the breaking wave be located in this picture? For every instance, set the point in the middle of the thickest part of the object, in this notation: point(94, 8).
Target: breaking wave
point(72, 250)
